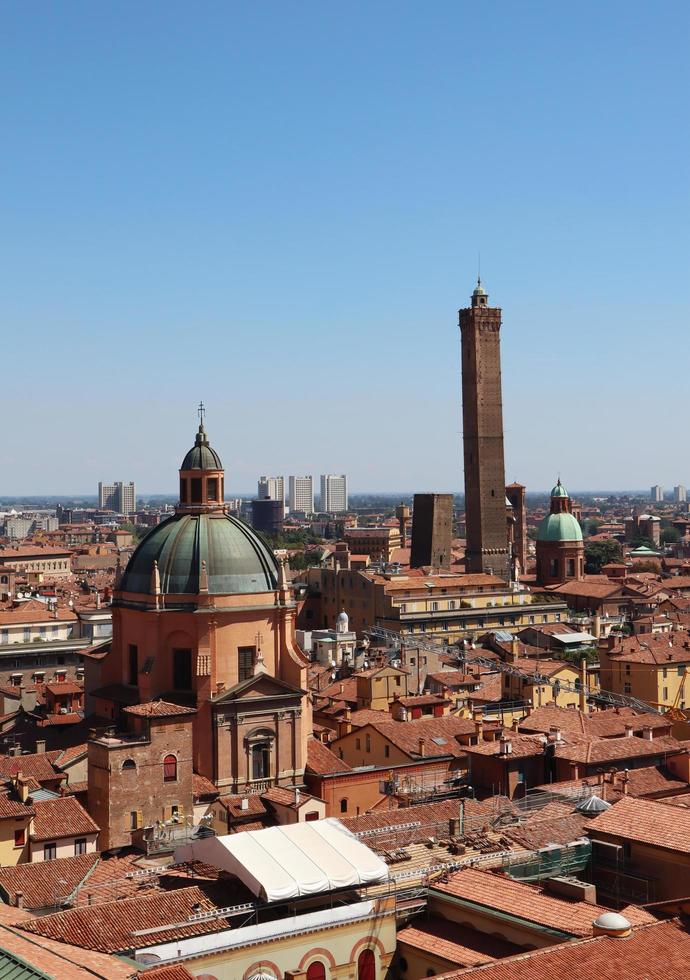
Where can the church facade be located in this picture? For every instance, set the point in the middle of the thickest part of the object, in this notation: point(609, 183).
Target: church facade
point(203, 617)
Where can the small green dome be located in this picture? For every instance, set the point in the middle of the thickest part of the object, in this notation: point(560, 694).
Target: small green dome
point(479, 289)
point(559, 527)
point(559, 490)
point(201, 456)
point(237, 560)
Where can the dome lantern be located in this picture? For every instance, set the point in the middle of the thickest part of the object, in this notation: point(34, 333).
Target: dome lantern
point(202, 478)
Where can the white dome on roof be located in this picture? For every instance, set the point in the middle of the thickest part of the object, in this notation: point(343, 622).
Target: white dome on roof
point(612, 922)
point(342, 623)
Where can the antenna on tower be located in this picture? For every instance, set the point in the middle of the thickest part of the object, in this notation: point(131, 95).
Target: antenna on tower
point(479, 268)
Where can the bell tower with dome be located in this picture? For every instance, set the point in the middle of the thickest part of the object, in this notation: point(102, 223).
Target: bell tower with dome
point(204, 617)
point(560, 548)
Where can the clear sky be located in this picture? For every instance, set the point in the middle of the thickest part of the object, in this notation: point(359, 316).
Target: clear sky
point(277, 207)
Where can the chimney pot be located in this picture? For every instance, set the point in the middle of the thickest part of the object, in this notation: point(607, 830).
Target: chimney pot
point(19, 899)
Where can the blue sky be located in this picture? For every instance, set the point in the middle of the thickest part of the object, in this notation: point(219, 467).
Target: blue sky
point(278, 207)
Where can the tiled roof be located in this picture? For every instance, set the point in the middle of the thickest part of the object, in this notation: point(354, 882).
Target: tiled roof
point(56, 959)
point(364, 715)
point(655, 951)
point(645, 781)
point(521, 746)
point(46, 882)
point(648, 822)
point(158, 709)
point(604, 724)
point(64, 687)
point(70, 755)
point(111, 926)
point(203, 786)
point(11, 807)
point(233, 804)
point(458, 944)
point(528, 902)
point(62, 817)
point(422, 814)
point(39, 765)
point(554, 824)
point(422, 700)
point(286, 797)
point(653, 648)
point(173, 972)
point(439, 734)
point(321, 760)
point(615, 749)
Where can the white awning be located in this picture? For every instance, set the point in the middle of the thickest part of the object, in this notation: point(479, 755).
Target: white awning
point(281, 863)
point(575, 638)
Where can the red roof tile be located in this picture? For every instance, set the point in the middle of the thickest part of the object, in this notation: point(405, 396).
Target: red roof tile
point(46, 883)
point(59, 818)
point(158, 709)
point(646, 821)
point(321, 760)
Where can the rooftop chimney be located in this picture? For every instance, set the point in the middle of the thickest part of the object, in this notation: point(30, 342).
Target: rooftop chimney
point(628, 731)
point(244, 803)
point(422, 747)
point(647, 733)
point(506, 746)
point(19, 899)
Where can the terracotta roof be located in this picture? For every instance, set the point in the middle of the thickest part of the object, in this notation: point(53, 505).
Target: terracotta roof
point(615, 749)
point(46, 882)
point(286, 797)
point(69, 755)
point(363, 716)
point(439, 734)
point(233, 804)
point(647, 821)
point(422, 813)
point(38, 764)
point(173, 972)
point(203, 786)
point(321, 760)
point(654, 951)
point(528, 902)
point(521, 746)
point(652, 648)
point(422, 700)
point(61, 817)
point(453, 678)
point(457, 943)
point(71, 718)
point(10, 691)
point(594, 590)
point(605, 724)
point(554, 824)
point(158, 709)
point(111, 926)
point(56, 959)
point(64, 687)
point(11, 807)
point(645, 781)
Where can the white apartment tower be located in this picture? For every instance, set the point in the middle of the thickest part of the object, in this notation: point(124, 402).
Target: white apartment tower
point(656, 494)
point(271, 488)
point(333, 493)
point(679, 494)
point(302, 494)
point(120, 497)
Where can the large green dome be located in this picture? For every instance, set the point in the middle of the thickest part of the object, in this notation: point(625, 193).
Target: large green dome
point(237, 560)
point(559, 527)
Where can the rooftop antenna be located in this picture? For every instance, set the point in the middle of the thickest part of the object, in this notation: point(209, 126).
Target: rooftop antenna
point(479, 268)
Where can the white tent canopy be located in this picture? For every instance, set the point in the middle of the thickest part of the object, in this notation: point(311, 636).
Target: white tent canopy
point(299, 859)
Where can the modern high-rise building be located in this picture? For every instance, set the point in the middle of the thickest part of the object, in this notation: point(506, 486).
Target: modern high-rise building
point(656, 494)
point(302, 494)
point(271, 488)
point(482, 414)
point(119, 497)
point(679, 494)
point(333, 493)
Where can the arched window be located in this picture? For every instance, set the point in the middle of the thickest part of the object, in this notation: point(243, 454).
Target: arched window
point(170, 769)
point(129, 764)
point(316, 971)
point(366, 965)
point(343, 805)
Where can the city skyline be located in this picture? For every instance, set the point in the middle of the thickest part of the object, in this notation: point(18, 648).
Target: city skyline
point(313, 221)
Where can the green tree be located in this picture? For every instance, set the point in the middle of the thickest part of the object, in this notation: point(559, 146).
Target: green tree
point(600, 553)
point(669, 536)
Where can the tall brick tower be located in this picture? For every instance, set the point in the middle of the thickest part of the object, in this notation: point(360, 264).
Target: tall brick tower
point(482, 416)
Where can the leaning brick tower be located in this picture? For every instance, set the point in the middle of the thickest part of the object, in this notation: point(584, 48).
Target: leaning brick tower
point(482, 414)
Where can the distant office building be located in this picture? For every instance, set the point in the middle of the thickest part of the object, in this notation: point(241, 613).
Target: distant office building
point(271, 488)
point(302, 494)
point(679, 494)
point(268, 515)
point(333, 493)
point(18, 527)
point(432, 530)
point(120, 497)
point(656, 494)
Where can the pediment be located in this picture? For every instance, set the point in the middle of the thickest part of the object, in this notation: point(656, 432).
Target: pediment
point(259, 686)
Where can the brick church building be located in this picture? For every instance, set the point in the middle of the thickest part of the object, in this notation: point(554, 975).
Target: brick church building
point(203, 617)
